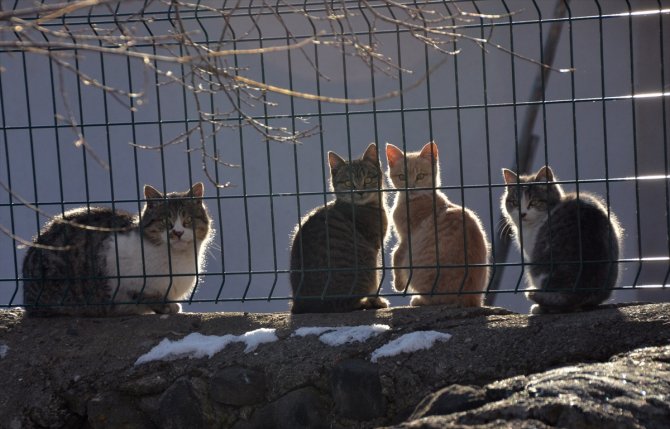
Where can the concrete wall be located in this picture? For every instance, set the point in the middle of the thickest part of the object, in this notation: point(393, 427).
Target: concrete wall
point(67, 372)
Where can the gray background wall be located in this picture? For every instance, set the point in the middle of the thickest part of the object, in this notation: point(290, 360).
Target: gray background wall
point(589, 129)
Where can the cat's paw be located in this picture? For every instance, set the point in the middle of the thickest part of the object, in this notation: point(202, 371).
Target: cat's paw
point(168, 308)
point(537, 309)
point(418, 301)
point(375, 302)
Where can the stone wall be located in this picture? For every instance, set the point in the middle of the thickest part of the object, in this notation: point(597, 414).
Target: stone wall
point(65, 372)
point(629, 391)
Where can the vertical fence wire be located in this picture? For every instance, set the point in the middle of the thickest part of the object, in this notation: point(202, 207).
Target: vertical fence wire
point(382, 195)
point(495, 238)
point(633, 103)
point(10, 197)
point(527, 141)
point(459, 138)
point(664, 120)
point(219, 221)
point(403, 138)
point(604, 119)
point(575, 147)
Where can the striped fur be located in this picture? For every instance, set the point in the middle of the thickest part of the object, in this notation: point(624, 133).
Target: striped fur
point(336, 249)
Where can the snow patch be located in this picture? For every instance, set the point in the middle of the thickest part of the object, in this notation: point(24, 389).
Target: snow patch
point(312, 330)
point(4, 348)
point(419, 340)
point(197, 345)
point(337, 336)
point(253, 339)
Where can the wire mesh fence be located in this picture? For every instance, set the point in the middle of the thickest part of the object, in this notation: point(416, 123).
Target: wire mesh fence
point(99, 98)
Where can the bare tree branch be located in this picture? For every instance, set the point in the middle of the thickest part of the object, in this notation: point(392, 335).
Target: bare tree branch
point(170, 41)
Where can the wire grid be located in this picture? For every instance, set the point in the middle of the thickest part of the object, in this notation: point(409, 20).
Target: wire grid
point(70, 141)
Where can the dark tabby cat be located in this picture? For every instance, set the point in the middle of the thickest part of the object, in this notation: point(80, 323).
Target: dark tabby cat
point(114, 257)
point(337, 248)
point(571, 244)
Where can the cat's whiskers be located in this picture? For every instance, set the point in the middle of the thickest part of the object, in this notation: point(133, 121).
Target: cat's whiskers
point(505, 228)
point(211, 248)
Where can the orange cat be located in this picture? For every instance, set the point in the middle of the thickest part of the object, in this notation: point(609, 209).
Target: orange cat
point(461, 240)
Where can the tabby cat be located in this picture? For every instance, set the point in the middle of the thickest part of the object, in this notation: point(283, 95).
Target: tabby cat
point(432, 231)
point(571, 244)
point(102, 262)
point(336, 250)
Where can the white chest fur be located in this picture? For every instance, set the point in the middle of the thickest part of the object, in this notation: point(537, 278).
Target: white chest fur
point(529, 236)
point(141, 265)
point(527, 230)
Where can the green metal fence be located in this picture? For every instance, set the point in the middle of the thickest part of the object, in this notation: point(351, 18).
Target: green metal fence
point(248, 97)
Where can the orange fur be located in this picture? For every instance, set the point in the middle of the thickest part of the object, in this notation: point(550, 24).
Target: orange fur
point(461, 240)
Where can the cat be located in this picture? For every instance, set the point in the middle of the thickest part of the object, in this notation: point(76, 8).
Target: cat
point(111, 262)
point(461, 239)
point(554, 226)
point(336, 249)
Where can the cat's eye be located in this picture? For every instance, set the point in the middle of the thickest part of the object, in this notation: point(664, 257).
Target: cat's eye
point(348, 183)
point(513, 203)
point(420, 176)
point(187, 221)
point(401, 177)
point(368, 180)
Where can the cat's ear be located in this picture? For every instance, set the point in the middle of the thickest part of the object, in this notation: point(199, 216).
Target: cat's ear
point(198, 190)
point(335, 161)
point(509, 176)
point(151, 193)
point(393, 154)
point(544, 174)
point(371, 154)
point(429, 151)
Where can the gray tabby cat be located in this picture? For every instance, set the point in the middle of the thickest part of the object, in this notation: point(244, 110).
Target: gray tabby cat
point(114, 257)
point(572, 244)
point(336, 249)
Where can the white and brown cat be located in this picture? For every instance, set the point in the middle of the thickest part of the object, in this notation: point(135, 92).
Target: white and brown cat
point(112, 262)
point(442, 251)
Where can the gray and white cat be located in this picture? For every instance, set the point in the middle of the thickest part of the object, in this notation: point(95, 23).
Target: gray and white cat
point(571, 243)
point(336, 251)
point(116, 263)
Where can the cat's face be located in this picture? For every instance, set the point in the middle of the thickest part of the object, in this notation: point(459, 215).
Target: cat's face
point(422, 167)
point(530, 202)
point(362, 176)
point(178, 217)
